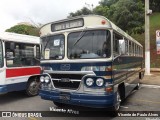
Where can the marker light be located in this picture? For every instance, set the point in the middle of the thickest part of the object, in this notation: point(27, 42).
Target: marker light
point(89, 81)
point(99, 82)
point(109, 89)
point(103, 22)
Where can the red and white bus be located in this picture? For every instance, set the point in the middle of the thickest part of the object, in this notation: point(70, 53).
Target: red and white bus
point(19, 63)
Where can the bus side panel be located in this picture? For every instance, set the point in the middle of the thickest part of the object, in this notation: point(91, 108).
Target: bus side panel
point(16, 78)
point(126, 69)
point(16, 86)
point(16, 72)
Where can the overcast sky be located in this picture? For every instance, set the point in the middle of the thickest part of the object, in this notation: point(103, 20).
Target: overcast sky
point(38, 11)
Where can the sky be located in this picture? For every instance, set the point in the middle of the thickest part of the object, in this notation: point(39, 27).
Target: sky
point(38, 11)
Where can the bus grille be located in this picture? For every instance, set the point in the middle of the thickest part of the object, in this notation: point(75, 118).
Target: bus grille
point(66, 81)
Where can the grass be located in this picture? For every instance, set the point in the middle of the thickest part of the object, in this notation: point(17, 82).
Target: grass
point(154, 25)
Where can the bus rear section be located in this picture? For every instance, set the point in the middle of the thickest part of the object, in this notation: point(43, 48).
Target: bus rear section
point(20, 63)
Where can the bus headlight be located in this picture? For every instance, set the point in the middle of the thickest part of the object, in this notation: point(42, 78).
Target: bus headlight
point(89, 81)
point(47, 79)
point(42, 79)
point(99, 82)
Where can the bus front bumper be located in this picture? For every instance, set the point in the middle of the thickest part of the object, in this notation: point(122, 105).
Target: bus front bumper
point(80, 99)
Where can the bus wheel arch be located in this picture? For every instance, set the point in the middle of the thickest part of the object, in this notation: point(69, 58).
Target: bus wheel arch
point(32, 86)
point(121, 88)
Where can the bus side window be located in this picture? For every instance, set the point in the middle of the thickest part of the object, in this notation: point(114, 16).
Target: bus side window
point(127, 48)
point(116, 39)
point(133, 49)
point(23, 55)
point(130, 48)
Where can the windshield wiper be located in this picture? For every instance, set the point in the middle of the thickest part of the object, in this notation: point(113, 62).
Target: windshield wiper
point(80, 36)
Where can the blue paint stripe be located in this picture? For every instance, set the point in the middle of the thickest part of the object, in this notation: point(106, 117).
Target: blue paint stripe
point(75, 66)
point(103, 73)
point(13, 87)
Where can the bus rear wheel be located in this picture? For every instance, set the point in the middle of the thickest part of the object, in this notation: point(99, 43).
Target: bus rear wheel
point(32, 88)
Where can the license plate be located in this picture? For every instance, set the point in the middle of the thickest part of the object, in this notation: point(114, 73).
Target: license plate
point(64, 97)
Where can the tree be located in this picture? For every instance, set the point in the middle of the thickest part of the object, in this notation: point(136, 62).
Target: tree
point(107, 3)
point(83, 11)
point(128, 15)
point(101, 10)
point(24, 29)
point(153, 4)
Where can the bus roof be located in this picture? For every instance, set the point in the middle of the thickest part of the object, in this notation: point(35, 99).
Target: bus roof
point(89, 22)
point(7, 36)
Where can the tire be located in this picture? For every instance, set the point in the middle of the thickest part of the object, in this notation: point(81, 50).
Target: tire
point(59, 104)
point(118, 102)
point(32, 88)
point(137, 87)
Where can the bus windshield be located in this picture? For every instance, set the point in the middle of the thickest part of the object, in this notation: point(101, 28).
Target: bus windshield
point(53, 47)
point(89, 44)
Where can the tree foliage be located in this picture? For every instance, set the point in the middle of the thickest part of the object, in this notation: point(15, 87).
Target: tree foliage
point(24, 29)
point(101, 10)
point(107, 3)
point(153, 4)
point(127, 14)
point(83, 11)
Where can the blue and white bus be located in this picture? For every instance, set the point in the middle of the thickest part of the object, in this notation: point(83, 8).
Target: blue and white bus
point(89, 61)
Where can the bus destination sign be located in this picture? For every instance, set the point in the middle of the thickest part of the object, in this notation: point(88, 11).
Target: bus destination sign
point(67, 25)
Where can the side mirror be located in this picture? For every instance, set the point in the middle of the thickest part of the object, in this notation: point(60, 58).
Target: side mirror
point(122, 46)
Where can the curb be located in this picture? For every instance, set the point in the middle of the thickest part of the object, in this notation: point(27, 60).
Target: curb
point(150, 86)
point(155, 69)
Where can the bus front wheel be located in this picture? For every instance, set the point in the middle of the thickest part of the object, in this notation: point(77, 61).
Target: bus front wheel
point(32, 88)
point(118, 102)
